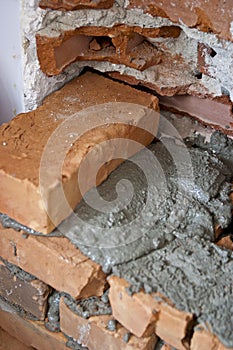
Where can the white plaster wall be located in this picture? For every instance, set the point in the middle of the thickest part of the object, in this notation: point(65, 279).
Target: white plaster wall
point(11, 80)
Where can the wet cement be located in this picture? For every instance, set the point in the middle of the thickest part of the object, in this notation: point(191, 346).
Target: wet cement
point(169, 249)
point(174, 255)
point(88, 307)
point(52, 322)
point(164, 200)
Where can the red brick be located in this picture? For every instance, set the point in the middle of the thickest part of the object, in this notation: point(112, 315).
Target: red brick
point(118, 44)
point(54, 261)
point(213, 17)
point(143, 314)
point(7, 342)
point(203, 340)
point(23, 142)
point(31, 333)
point(64, 5)
point(30, 295)
point(216, 113)
point(94, 334)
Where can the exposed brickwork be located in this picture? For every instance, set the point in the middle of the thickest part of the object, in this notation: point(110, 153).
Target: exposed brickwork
point(23, 141)
point(213, 17)
point(55, 261)
point(7, 342)
point(68, 5)
point(31, 333)
point(94, 334)
point(31, 296)
point(119, 44)
point(207, 110)
point(153, 315)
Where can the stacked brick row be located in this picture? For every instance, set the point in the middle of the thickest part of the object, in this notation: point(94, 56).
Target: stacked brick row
point(44, 278)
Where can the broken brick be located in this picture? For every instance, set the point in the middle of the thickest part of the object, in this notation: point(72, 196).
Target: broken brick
point(94, 333)
point(29, 294)
point(205, 110)
point(54, 261)
point(64, 5)
point(144, 314)
point(31, 333)
point(203, 340)
point(118, 44)
point(26, 141)
point(199, 14)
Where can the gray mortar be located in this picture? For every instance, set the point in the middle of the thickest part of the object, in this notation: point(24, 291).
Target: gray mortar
point(174, 255)
point(14, 308)
point(74, 345)
point(169, 209)
point(52, 322)
point(18, 272)
point(219, 144)
point(88, 307)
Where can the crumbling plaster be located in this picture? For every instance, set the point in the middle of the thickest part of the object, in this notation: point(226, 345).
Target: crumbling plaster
point(52, 23)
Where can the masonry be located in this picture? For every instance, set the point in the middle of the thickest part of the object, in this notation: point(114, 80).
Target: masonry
point(104, 81)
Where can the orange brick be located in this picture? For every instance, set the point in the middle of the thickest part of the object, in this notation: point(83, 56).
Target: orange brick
point(120, 44)
point(64, 5)
point(55, 261)
point(31, 295)
point(199, 14)
point(23, 141)
point(31, 333)
point(7, 342)
point(203, 340)
point(143, 314)
point(94, 334)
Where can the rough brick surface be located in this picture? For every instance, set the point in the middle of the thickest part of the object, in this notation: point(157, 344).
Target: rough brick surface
point(118, 44)
point(203, 340)
point(144, 314)
point(94, 334)
point(31, 295)
point(31, 333)
point(7, 342)
point(67, 5)
point(215, 17)
point(55, 261)
point(24, 139)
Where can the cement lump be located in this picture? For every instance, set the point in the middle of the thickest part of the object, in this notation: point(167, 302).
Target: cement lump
point(93, 306)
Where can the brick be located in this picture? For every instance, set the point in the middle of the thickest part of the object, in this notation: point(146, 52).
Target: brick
point(31, 295)
point(64, 5)
point(143, 314)
point(216, 113)
point(118, 44)
point(7, 342)
point(31, 333)
point(54, 261)
point(225, 242)
point(215, 17)
point(43, 204)
point(203, 340)
point(94, 334)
